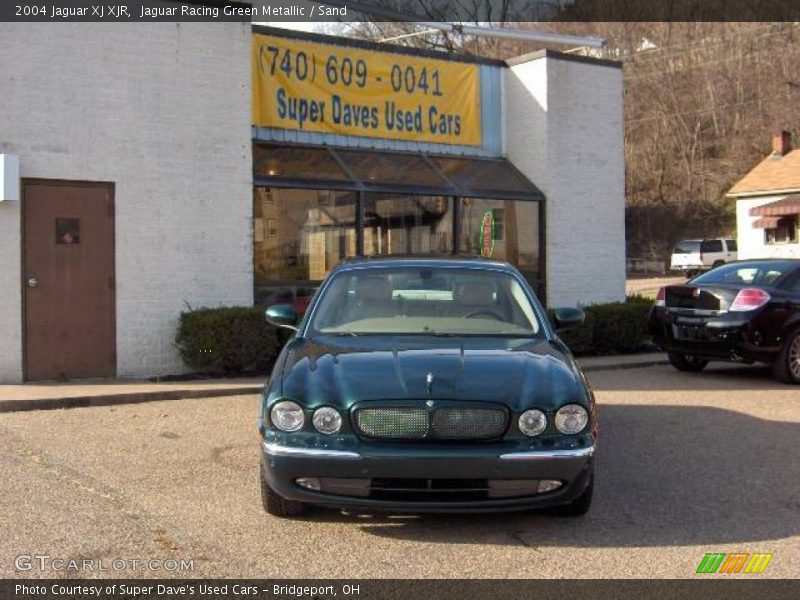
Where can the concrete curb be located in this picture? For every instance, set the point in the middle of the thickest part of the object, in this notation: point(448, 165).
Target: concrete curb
point(7, 406)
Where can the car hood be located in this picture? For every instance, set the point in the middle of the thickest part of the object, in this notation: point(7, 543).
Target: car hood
point(520, 373)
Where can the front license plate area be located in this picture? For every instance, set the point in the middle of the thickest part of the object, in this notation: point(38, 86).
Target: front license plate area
point(688, 332)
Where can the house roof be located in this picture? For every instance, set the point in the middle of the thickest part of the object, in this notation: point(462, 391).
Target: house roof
point(773, 175)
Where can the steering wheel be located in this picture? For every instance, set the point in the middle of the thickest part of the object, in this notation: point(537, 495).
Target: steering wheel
point(490, 312)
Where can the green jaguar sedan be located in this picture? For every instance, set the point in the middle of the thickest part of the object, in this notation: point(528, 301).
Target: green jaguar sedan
point(426, 385)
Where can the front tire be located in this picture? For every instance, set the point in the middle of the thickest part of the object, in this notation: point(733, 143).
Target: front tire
point(786, 367)
point(277, 505)
point(686, 362)
point(578, 507)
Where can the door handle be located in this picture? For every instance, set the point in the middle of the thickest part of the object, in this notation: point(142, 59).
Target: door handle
point(33, 282)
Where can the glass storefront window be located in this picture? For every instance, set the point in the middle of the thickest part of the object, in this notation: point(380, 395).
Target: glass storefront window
point(299, 235)
point(296, 162)
point(516, 232)
point(407, 224)
point(391, 168)
point(485, 177)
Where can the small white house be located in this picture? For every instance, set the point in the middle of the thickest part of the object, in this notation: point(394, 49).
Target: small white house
point(768, 204)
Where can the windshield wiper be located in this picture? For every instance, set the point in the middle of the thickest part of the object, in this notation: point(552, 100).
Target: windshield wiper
point(478, 334)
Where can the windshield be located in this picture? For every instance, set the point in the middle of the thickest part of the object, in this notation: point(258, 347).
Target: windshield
point(424, 301)
point(687, 247)
point(747, 273)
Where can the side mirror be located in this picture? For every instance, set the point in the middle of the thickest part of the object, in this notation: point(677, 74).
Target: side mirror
point(568, 318)
point(282, 315)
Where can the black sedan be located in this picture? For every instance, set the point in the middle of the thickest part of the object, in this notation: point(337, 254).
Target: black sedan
point(745, 311)
point(426, 385)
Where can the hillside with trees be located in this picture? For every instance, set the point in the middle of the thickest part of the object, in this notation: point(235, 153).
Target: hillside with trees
point(702, 101)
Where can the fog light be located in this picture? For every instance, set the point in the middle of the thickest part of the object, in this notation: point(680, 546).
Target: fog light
point(548, 485)
point(310, 483)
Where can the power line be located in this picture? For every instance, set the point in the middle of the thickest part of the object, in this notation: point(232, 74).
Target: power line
point(644, 56)
point(762, 50)
point(710, 108)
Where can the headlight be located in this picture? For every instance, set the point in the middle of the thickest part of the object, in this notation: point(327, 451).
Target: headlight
point(571, 418)
point(287, 416)
point(327, 420)
point(532, 422)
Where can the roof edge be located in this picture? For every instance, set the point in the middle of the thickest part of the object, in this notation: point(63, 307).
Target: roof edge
point(554, 54)
point(761, 193)
point(322, 38)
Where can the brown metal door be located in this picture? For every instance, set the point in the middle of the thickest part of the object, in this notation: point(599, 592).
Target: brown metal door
point(68, 279)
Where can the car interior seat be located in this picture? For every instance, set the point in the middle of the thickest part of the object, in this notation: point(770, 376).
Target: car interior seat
point(471, 297)
point(372, 299)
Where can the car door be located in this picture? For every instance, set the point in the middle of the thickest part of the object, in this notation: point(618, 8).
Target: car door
point(793, 296)
point(712, 252)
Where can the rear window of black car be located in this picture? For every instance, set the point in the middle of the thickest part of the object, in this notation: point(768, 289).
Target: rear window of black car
point(748, 273)
point(687, 247)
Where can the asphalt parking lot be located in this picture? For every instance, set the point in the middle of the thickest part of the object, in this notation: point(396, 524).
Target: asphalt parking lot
point(688, 464)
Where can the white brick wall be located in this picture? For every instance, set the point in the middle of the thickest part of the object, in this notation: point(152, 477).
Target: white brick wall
point(10, 292)
point(750, 240)
point(564, 130)
point(163, 111)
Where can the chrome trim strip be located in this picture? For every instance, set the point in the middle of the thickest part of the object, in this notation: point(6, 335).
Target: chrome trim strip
point(695, 312)
point(281, 450)
point(549, 454)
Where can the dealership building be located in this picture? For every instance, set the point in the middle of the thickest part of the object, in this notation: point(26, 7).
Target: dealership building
point(149, 169)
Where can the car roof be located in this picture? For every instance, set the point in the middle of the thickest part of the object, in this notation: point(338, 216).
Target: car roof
point(773, 259)
point(399, 260)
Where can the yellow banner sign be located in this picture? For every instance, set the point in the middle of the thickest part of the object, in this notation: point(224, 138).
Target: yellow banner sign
point(328, 88)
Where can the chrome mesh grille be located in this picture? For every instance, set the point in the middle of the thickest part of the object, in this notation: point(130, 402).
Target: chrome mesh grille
point(397, 423)
point(443, 423)
point(468, 423)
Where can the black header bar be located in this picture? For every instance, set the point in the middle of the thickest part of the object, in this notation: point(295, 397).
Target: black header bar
point(713, 587)
point(456, 11)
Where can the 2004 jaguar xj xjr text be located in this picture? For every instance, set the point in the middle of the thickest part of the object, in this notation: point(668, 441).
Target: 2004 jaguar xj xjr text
point(423, 385)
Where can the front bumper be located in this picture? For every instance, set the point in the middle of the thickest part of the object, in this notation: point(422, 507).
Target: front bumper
point(283, 463)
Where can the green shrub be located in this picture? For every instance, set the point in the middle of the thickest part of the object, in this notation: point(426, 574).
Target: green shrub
point(616, 328)
point(639, 299)
point(228, 341)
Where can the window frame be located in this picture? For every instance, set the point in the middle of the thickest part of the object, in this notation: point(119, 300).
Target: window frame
point(452, 189)
point(792, 232)
point(704, 246)
point(544, 329)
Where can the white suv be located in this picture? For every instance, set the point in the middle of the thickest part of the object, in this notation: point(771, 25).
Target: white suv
point(692, 256)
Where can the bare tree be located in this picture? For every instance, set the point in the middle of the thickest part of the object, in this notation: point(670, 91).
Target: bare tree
point(701, 101)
